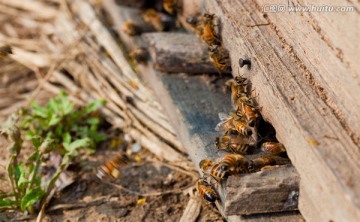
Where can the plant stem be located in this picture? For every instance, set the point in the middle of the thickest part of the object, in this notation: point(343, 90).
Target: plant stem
point(33, 176)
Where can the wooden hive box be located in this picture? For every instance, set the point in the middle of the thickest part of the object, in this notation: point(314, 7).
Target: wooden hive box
point(306, 73)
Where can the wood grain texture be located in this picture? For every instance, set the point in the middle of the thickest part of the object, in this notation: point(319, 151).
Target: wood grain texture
point(179, 53)
point(307, 93)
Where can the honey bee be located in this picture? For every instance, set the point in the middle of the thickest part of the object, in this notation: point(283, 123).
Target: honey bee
point(220, 58)
point(238, 89)
point(273, 148)
point(248, 113)
point(205, 165)
point(153, 18)
point(244, 99)
point(242, 127)
point(235, 164)
point(233, 144)
point(232, 123)
point(219, 173)
point(258, 163)
point(206, 191)
point(111, 168)
point(209, 167)
point(226, 124)
point(5, 51)
point(170, 6)
point(131, 28)
point(140, 55)
point(209, 35)
point(235, 86)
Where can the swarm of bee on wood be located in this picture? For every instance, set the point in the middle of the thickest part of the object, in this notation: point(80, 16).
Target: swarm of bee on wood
point(206, 28)
point(240, 126)
point(240, 138)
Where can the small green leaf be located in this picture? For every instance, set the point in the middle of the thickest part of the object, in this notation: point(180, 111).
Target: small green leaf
point(36, 141)
point(29, 135)
point(68, 108)
point(31, 197)
point(72, 148)
point(5, 203)
point(93, 121)
point(18, 170)
point(54, 119)
point(67, 138)
point(79, 143)
point(94, 106)
point(22, 182)
point(39, 111)
point(54, 106)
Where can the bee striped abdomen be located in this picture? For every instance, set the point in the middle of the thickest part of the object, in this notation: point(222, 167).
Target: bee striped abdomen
point(273, 148)
point(258, 163)
point(112, 168)
point(240, 148)
point(206, 191)
point(235, 163)
point(219, 173)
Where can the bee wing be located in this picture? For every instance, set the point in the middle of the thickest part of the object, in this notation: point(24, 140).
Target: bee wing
point(220, 126)
point(220, 155)
point(224, 116)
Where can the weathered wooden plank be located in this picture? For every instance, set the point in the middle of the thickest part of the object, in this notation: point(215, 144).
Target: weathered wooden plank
point(192, 105)
point(297, 83)
point(280, 183)
point(293, 216)
point(179, 53)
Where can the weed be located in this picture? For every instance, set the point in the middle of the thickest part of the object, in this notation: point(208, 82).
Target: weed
point(59, 127)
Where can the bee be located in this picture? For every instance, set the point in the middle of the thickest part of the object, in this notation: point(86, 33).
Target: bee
point(238, 89)
point(235, 86)
point(206, 191)
point(209, 35)
point(248, 113)
point(205, 165)
point(111, 168)
point(220, 58)
point(159, 21)
point(209, 167)
point(232, 123)
point(273, 148)
point(226, 124)
point(5, 50)
point(258, 163)
point(219, 173)
point(234, 164)
point(170, 6)
point(242, 127)
point(153, 18)
point(233, 144)
point(131, 28)
point(140, 55)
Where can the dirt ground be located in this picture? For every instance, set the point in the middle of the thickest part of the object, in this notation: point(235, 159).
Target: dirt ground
point(147, 190)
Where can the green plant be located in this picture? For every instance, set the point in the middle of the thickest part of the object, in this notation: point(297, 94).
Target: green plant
point(57, 127)
point(61, 121)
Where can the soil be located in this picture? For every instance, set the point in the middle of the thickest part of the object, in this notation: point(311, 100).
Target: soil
point(152, 192)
